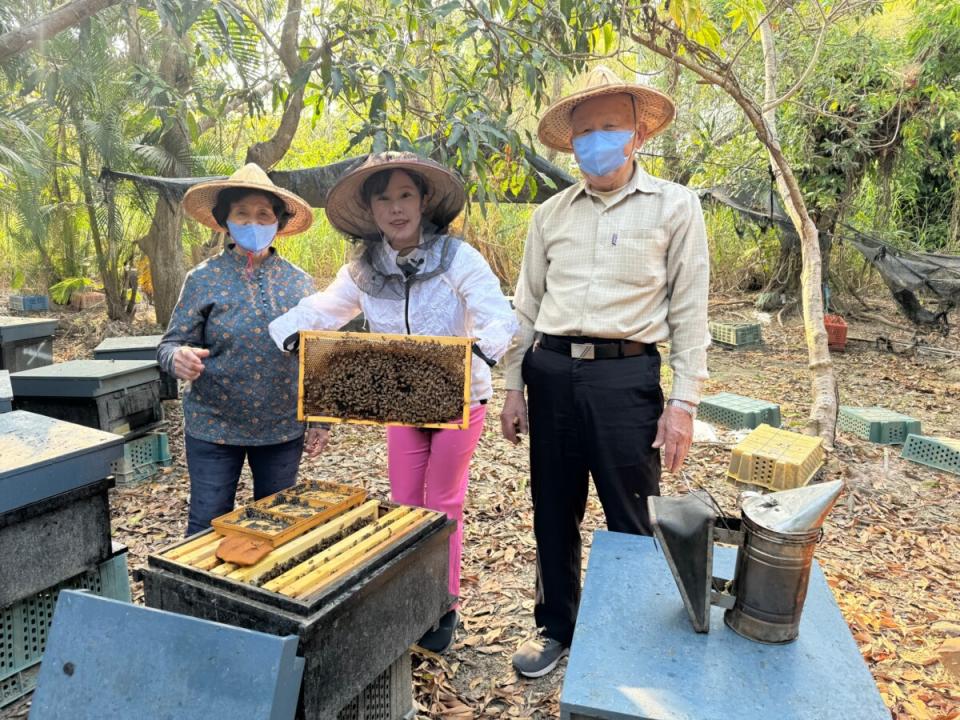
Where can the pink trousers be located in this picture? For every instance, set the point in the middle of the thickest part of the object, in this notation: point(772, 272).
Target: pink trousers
point(431, 469)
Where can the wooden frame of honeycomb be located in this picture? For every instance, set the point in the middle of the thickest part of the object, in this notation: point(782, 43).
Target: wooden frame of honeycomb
point(366, 368)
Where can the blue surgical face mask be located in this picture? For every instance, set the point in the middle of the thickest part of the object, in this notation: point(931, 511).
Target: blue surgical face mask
point(601, 152)
point(252, 238)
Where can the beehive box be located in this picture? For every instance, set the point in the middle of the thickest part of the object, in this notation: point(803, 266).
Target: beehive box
point(377, 379)
point(877, 424)
point(25, 343)
point(285, 515)
point(119, 396)
point(54, 510)
point(735, 334)
point(737, 411)
point(6, 392)
point(937, 452)
point(358, 590)
point(776, 459)
point(138, 347)
point(24, 624)
point(29, 303)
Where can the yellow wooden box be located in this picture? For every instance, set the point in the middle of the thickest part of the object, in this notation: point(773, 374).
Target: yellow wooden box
point(776, 459)
point(341, 497)
point(317, 347)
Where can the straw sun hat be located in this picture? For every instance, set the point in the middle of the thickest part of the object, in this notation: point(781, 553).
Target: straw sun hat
point(348, 213)
point(200, 199)
point(655, 111)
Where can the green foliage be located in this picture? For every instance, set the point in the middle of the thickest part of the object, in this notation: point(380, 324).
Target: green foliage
point(61, 292)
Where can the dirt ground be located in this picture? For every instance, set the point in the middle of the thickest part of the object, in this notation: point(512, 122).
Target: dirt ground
point(891, 550)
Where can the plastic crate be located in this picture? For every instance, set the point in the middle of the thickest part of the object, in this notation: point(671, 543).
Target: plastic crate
point(736, 334)
point(737, 411)
point(142, 459)
point(836, 328)
point(936, 452)
point(24, 625)
point(29, 303)
point(776, 459)
point(877, 424)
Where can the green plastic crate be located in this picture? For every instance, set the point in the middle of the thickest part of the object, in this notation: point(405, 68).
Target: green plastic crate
point(877, 424)
point(142, 459)
point(936, 452)
point(737, 411)
point(24, 625)
point(735, 334)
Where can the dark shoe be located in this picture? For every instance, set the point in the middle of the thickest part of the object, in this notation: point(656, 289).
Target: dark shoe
point(439, 638)
point(539, 655)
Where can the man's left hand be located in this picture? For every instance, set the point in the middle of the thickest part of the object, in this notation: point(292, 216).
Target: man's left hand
point(674, 435)
point(315, 441)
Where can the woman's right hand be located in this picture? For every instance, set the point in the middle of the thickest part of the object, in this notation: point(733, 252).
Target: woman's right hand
point(188, 362)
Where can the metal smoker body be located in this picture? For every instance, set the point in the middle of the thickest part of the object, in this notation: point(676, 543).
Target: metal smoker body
point(775, 539)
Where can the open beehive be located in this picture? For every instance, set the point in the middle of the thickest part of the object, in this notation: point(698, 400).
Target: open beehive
point(358, 590)
point(287, 514)
point(343, 542)
point(377, 379)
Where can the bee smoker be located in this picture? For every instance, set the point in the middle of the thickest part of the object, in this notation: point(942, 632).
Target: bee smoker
point(775, 540)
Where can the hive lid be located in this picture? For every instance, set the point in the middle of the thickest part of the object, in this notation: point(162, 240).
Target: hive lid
point(143, 346)
point(41, 457)
point(13, 329)
point(793, 511)
point(83, 378)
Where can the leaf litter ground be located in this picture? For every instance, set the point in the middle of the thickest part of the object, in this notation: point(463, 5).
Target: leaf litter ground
point(891, 550)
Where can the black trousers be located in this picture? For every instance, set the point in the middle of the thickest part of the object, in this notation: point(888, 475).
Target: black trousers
point(587, 417)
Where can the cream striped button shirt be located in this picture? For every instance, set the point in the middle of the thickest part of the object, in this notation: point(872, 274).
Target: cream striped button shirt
point(631, 264)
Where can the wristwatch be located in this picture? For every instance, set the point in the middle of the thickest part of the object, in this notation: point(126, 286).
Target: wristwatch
point(687, 407)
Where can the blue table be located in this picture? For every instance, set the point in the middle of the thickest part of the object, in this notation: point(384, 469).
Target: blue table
point(635, 654)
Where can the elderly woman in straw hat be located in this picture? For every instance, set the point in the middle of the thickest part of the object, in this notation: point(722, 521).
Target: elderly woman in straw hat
point(612, 266)
point(411, 276)
point(241, 402)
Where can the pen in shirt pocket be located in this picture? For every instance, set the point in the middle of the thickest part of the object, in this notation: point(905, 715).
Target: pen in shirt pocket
point(613, 240)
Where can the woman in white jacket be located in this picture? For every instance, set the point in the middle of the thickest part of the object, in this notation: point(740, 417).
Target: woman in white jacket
point(410, 277)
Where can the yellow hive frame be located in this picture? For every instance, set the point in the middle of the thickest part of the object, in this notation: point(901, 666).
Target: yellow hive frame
point(387, 526)
point(381, 338)
point(349, 497)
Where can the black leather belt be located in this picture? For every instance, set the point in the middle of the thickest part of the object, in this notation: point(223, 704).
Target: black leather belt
point(588, 348)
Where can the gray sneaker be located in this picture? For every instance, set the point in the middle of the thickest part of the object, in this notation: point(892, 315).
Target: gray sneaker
point(539, 655)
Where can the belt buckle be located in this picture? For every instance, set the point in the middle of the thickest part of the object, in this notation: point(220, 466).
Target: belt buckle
point(582, 351)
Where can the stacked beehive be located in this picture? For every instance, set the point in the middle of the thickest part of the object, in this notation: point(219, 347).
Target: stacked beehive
point(54, 533)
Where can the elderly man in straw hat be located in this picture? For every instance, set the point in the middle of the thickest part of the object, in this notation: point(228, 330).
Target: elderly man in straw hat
point(612, 266)
point(242, 400)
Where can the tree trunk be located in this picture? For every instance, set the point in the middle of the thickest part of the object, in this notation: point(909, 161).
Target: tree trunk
point(162, 243)
point(162, 247)
point(823, 412)
point(35, 32)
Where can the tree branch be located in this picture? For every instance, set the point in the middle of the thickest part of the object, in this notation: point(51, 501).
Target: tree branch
point(36, 31)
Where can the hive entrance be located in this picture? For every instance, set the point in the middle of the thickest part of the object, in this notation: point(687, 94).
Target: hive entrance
point(380, 379)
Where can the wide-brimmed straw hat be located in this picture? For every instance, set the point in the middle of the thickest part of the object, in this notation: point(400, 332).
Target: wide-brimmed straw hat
point(348, 213)
point(201, 198)
point(654, 109)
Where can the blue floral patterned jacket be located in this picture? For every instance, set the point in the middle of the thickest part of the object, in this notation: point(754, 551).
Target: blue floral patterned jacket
point(247, 393)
